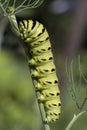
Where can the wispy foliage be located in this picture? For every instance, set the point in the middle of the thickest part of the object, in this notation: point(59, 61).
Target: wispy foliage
point(77, 83)
point(18, 5)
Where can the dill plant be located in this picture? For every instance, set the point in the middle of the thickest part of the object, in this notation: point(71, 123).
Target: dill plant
point(75, 81)
point(9, 8)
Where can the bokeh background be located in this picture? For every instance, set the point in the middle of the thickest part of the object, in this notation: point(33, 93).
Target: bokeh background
point(66, 22)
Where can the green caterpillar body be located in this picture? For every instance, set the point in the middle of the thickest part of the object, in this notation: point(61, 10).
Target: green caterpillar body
point(43, 70)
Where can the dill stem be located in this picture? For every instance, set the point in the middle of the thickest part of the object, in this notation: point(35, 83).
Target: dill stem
point(43, 115)
point(15, 29)
point(74, 119)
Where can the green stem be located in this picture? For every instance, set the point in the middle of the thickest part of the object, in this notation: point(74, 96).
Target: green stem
point(74, 120)
point(42, 112)
point(14, 25)
point(40, 105)
point(43, 115)
point(15, 29)
point(3, 10)
point(13, 21)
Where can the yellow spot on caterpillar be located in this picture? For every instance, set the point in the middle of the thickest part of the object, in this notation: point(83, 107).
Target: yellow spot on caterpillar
point(41, 71)
point(50, 105)
point(39, 61)
point(25, 23)
point(30, 24)
point(39, 51)
point(47, 95)
point(44, 83)
point(51, 113)
point(36, 44)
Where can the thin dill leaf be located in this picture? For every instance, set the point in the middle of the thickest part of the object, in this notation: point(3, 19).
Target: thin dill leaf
point(29, 2)
point(86, 91)
point(79, 64)
point(38, 4)
point(24, 7)
point(81, 73)
point(72, 76)
point(14, 3)
point(21, 9)
point(67, 72)
point(83, 103)
point(72, 80)
point(71, 93)
point(33, 4)
point(5, 2)
point(84, 77)
point(8, 1)
point(69, 80)
point(3, 10)
point(21, 5)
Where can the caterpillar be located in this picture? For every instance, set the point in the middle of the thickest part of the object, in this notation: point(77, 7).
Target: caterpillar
point(43, 70)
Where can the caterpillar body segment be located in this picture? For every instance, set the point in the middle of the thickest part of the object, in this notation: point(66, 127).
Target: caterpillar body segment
point(41, 59)
point(43, 70)
point(40, 48)
point(40, 71)
point(48, 96)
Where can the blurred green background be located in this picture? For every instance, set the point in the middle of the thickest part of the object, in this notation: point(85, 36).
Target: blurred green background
point(65, 21)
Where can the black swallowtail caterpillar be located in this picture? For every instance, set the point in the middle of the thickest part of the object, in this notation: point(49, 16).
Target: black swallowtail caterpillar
point(41, 62)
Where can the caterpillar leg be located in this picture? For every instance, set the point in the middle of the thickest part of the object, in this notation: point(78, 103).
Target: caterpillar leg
point(52, 115)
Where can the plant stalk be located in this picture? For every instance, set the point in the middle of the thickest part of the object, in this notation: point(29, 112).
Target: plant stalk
point(15, 29)
point(43, 115)
point(74, 120)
